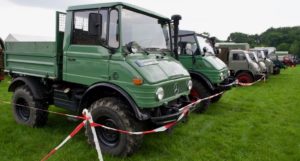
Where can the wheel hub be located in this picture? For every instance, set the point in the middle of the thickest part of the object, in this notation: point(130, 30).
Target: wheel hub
point(108, 137)
point(22, 109)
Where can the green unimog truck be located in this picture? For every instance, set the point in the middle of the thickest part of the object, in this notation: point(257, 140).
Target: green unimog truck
point(111, 58)
point(209, 74)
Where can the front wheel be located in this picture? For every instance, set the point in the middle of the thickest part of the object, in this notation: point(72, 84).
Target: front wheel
point(200, 91)
point(245, 77)
point(217, 98)
point(114, 113)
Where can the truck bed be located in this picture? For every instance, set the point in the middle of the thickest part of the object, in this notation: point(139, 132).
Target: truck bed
point(37, 58)
point(32, 58)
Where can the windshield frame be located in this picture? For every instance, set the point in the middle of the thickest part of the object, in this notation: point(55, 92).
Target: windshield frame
point(248, 57)
point(167, 23)
point(206, 38)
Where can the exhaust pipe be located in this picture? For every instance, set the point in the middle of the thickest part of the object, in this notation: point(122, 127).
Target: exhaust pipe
point(176, 19)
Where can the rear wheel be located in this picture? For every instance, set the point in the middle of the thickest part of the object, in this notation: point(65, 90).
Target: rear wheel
point(113, 113)
point(245, 77)
point(23, 104)
point(199, 91)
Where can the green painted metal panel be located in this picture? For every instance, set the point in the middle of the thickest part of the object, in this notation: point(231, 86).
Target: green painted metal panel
point(33, 58)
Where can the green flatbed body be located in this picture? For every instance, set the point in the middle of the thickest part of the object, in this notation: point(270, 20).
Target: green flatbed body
point(32, 58)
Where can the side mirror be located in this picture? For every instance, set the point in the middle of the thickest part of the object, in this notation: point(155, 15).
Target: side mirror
point(204, 50)
point(95, 24)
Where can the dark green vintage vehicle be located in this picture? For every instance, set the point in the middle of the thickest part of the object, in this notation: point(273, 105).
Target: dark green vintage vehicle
point(111, 58)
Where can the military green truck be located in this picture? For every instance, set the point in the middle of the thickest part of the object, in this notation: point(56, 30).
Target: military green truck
point(209, 74)
point(241, 66)
point(111, 58)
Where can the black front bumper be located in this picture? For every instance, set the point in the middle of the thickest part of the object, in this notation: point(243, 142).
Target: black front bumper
point(171, 112)
point(226, 84)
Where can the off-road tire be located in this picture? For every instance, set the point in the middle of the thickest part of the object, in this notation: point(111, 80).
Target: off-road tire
point(276, 71)
point(21, 100)
point(202, 92)
point(245, 77)
point(216, 99)
point(114, 109)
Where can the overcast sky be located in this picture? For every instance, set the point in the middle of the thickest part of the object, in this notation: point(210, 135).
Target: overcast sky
point(218, 17)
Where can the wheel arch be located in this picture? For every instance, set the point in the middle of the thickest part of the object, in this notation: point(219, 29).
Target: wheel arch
point(107, 90)
point(203, 79)
point(242, 71)
point(33, 84)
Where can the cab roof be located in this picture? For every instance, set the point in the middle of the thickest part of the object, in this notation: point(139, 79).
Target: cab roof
point(112, 4)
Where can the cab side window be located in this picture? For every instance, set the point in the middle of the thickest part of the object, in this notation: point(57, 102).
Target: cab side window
point(235, 56)
point(81, 34)
point(113, 40)
point(238, 56)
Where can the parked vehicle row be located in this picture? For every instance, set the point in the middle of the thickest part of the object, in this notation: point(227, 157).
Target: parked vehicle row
point(126, 65)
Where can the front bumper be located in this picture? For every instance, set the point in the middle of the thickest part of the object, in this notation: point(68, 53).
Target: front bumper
point(172, 113)
point(226, 84)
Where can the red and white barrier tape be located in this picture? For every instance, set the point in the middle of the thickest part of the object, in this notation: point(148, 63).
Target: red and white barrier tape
point(87, 117)
point(236, 82)
point(250, 84)
point(96, 141)
point(53, 112)
point(73, 133)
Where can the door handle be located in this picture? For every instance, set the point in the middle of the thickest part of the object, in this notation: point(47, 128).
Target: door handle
point(71, 59)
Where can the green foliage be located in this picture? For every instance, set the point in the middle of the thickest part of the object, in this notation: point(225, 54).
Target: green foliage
point(285, 38)
point(295, 47)
point(260, 122)
point(283, 47)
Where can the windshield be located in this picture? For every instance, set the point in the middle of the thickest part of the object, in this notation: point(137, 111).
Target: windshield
point(146, 31)
point(259, 54)
point(204, 43)
point(253, 56)
point(248, 57)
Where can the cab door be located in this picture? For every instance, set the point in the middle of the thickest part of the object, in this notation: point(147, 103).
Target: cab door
point(238, 61)
point(87, 58)
point(187, 51)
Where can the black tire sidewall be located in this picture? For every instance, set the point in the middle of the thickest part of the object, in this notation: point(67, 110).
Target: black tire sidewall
point(204, 92)
point(22, 92)
point(115, 110)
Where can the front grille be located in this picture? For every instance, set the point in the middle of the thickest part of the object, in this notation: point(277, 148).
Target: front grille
point(170, 89)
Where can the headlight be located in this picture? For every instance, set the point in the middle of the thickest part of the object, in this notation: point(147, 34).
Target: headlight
point(190, 84)
point(221, 76)
point(160, 93)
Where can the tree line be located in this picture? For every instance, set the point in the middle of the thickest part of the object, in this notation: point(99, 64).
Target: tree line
point(284, 39)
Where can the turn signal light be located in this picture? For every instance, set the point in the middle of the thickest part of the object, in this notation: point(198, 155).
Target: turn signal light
point(137, 81)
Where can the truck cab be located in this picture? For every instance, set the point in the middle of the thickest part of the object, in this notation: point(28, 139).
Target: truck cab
point(241, 66)
point(110, 58)
point(266, 53)
point(261, 63)
point(208, 72)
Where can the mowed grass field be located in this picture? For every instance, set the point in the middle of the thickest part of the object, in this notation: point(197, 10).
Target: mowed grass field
point(261, 122)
